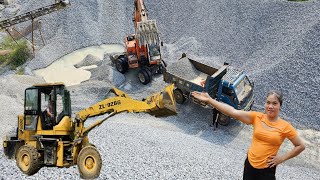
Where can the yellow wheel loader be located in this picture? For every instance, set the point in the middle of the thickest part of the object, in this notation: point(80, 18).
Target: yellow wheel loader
point(53, 138)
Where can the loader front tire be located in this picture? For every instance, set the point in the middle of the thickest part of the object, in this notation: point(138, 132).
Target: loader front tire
point(27, 160)
point(89, 163)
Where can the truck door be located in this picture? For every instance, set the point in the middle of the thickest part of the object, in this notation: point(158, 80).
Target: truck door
point(244, 92)
point(229, 96)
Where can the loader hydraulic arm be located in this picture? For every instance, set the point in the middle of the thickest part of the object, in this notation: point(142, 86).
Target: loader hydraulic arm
point(159, 104)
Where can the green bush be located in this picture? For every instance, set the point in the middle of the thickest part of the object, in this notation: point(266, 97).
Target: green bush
point(19, 55)
point(20, 71)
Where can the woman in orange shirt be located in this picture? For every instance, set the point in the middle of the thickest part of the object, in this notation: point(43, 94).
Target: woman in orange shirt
point(269, 131)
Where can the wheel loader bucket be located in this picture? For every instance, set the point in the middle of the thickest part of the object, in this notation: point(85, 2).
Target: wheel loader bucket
point(166, 103)
point(147, 32)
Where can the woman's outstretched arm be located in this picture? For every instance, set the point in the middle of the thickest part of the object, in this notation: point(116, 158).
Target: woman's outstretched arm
point(226, 109)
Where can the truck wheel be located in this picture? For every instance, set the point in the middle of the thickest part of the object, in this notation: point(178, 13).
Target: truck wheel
point(178, 95)
point(223, 120)
point(161, 69)
point(122, 65)
point(27, 160)
point(89, 163)
point(143, 76)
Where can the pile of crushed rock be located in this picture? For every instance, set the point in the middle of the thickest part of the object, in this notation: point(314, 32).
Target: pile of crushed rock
point(276, 42)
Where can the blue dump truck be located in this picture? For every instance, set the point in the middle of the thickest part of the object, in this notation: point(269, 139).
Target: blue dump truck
point(225, 84)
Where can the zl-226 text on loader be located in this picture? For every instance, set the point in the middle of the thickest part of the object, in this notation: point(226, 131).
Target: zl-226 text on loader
point(61, 141)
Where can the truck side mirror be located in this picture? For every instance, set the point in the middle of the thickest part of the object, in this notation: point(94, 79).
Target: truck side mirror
point(161, 43)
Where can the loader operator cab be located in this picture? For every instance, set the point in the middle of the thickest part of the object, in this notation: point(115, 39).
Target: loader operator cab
point(49, 102)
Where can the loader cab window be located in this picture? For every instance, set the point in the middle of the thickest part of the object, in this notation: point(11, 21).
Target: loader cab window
point(45, 98)
point(31, 122)
point(31, 109)
point(48, 114)
point(59, 105)
point(31, 101)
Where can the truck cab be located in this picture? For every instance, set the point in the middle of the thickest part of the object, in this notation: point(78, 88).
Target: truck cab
point(236, 90)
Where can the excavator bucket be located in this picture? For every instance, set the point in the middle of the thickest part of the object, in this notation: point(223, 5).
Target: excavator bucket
point(166, 104)
point(147, 32)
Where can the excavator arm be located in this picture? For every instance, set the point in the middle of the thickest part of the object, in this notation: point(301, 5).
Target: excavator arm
point(146, 30)
point(140, 12)
point(159, 104)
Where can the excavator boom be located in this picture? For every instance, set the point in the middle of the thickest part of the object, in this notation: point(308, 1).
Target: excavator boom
point(146, 30)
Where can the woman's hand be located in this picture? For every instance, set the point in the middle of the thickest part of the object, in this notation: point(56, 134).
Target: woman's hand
point(274, 161)
point(202, 96)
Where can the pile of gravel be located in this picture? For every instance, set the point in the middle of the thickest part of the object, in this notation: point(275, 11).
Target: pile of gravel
point(105, 72)
point(182, 66)
point(275, 41)
point(87, 61)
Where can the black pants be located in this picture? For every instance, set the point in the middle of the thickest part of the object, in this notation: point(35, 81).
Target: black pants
point(251, 173)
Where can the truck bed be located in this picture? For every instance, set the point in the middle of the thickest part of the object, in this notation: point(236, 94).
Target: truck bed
point(188, 74)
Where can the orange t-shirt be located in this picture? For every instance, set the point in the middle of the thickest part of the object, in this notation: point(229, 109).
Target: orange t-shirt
point(267, 138)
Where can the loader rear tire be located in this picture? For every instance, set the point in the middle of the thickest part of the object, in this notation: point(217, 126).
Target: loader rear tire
point(178, 95)
point(27, 160)
point(89, 162)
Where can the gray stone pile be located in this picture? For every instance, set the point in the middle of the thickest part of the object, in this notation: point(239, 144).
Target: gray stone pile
point(88, 61)
point(184, 69)
point(275, 41)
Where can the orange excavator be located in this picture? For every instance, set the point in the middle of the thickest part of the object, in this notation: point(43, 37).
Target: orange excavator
point(142, 48)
